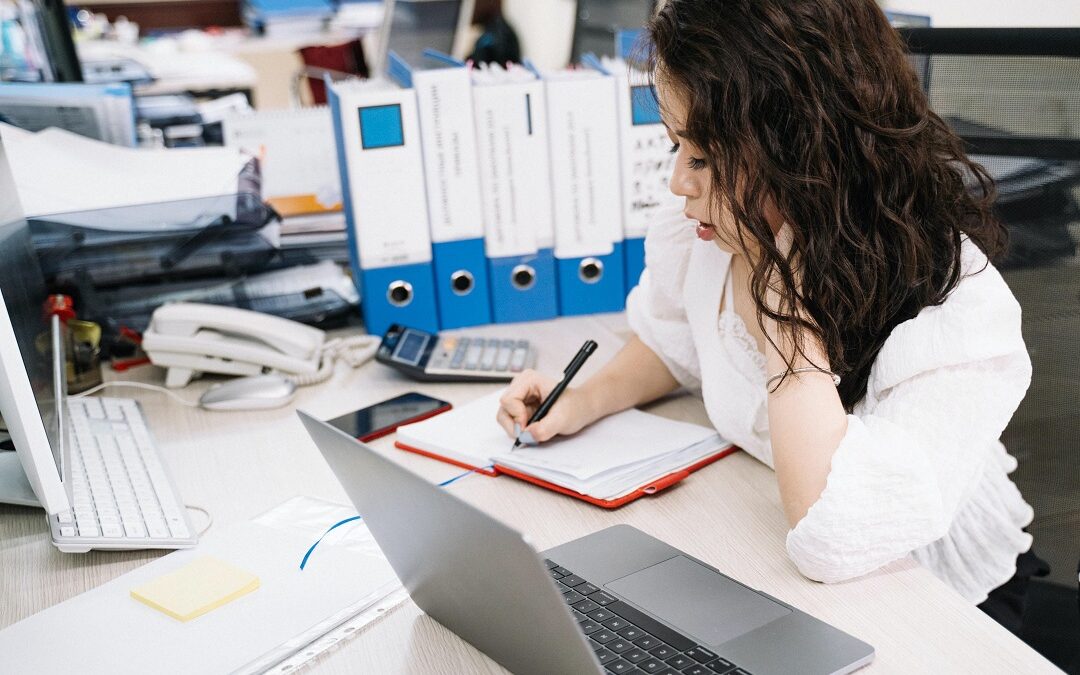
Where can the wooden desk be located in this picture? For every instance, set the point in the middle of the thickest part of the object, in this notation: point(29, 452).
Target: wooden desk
point(238, 465)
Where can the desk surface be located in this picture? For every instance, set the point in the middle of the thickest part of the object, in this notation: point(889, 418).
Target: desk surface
point(238, 465)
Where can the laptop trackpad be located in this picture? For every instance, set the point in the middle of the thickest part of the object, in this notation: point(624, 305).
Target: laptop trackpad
point(697, 601)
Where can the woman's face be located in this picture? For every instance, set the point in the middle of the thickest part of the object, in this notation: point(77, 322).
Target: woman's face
point(691, 179)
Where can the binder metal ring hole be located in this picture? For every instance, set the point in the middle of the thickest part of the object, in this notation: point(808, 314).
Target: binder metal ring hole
point(462, 282)
point(591, 270)
point(523, 277)
point(399, 293)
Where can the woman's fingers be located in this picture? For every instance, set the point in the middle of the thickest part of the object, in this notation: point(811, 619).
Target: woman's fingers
point(521, 399)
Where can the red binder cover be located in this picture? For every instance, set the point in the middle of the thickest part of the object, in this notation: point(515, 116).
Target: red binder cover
point(650, 489)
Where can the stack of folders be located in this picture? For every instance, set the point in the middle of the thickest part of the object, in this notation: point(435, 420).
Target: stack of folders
point(105, 112)
point(613, 462)
point(492, 194)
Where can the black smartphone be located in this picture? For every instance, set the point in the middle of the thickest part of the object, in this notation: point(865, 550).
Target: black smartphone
point(382, 418)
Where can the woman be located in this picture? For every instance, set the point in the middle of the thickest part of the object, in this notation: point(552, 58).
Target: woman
point(828, 293)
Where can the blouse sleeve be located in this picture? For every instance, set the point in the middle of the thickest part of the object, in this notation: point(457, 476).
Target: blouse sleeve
point(903, 470)
point(655, 308)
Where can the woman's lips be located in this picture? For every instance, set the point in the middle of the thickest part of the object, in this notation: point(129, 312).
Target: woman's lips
point(705, 232)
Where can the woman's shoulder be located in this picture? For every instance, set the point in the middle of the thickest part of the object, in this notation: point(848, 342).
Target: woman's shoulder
point(979, 320)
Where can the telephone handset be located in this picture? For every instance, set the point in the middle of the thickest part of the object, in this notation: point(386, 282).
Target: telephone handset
point(189, 339)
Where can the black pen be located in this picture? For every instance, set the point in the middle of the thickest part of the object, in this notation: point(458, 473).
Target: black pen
point(583, 355)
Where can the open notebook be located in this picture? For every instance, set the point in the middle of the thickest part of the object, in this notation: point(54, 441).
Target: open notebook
point(612, 462)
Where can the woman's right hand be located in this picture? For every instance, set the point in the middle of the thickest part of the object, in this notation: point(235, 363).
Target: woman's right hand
point(570, 414)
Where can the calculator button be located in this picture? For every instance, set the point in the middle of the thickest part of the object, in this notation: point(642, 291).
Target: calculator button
point(517, 361)
point(472, 357)
point(458, 359)
point(491, 350)
point(506, 351)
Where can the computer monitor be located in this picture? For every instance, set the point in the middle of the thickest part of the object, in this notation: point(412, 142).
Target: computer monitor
point(59, 46)
point(411, 26)
point(32, 377)
point(598, 21)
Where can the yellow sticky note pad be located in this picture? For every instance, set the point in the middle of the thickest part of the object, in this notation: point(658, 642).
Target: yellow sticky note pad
point(202, 585)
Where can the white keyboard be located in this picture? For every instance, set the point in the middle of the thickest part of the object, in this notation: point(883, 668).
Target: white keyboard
point(121, 494)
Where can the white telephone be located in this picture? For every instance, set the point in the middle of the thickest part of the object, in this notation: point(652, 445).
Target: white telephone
point(189, 339)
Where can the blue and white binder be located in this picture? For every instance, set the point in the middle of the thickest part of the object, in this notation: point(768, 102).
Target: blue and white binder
point(515, 180)
point(584, 151)
point(444, 99)
point(646, 162)
point(382, 177)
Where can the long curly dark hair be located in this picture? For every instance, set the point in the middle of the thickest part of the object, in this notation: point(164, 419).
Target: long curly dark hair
point(812, 104)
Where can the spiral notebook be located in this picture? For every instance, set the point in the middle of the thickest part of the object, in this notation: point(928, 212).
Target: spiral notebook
point(610, 463)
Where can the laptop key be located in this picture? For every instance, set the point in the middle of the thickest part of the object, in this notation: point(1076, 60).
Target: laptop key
point(586, 588)
point(563, 571)
point(739, 671)
point(631, 632)
point(602, 636)
point(555, 575)
point(600, 615)
point(572, 597)
point(586, 606)
point(619, 666)
point(589, 626)
point(647, 642)
point(620, 645)
point(663, 652)
point(602, 598)
point(696, 669)
point(635, 655)
point(679, 661)
point(604, 655)
point(571, 580)
point(616, 623)
point(700, 654)
point(551, 564)
point(651, 665)
point(721, 665)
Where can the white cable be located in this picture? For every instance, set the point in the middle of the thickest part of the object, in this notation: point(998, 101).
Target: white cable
point(137, 385)
point(209, 518)
point(355, 351)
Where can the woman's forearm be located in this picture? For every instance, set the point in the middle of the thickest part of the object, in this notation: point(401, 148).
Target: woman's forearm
point(636, 375)
point(807, 421)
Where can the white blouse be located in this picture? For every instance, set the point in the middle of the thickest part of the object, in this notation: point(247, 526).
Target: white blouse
point(920, 471)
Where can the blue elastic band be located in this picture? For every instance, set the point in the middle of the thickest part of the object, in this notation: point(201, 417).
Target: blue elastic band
point(350, 519)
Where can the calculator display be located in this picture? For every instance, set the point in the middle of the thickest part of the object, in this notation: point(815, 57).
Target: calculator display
point(411, 347)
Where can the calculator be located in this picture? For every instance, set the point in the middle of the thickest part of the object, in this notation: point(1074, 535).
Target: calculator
point(454, 358)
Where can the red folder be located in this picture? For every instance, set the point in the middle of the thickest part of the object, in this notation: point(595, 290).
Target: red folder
point(651, 488)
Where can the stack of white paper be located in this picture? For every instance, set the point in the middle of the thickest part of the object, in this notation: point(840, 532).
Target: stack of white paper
point(609, 459)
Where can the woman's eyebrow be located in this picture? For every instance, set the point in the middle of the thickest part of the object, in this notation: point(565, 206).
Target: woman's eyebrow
point(681, 133)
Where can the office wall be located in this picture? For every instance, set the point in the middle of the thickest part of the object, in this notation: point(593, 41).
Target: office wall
point(545, 29)
point(992, 13)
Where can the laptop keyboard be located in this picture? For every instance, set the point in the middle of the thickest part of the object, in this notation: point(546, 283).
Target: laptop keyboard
point(627, 641)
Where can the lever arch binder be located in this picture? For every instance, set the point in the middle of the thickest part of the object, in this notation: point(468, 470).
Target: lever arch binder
point(378, 146)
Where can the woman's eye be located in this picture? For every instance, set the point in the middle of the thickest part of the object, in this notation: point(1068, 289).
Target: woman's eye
point(696, 164)
point(674, 148)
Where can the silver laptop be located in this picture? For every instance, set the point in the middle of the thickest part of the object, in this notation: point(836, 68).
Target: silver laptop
point(615, 601)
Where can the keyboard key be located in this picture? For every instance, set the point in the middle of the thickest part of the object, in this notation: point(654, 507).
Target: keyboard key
point(67, 531)
point(586, 606)
point(114, 531)
point(663, 652)
point(635, 655)
point(619, 666)
point(602, 636)
point(696, 669)
point(700, 654)
point(600, 615)
point(679, 661)
point(648, 642)
point(586, 588)
point(555, 575)
point(739, 671)
point(721, 665)
point(571, 581)
point(604, 655)
point(563, 571)
point(572, 596)
point(89, 531)
point(631, 632)
point(616, 623)
point(157, 530)
point(651, 665)
point(550, 564)
point(64, 518)
point(650, 625)
point(135, 530)
point(619, 645)
point(602, 598)
point(588, 626)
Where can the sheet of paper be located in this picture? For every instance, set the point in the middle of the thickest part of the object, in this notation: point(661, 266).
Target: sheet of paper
point(201, 586)
point(60, 172)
